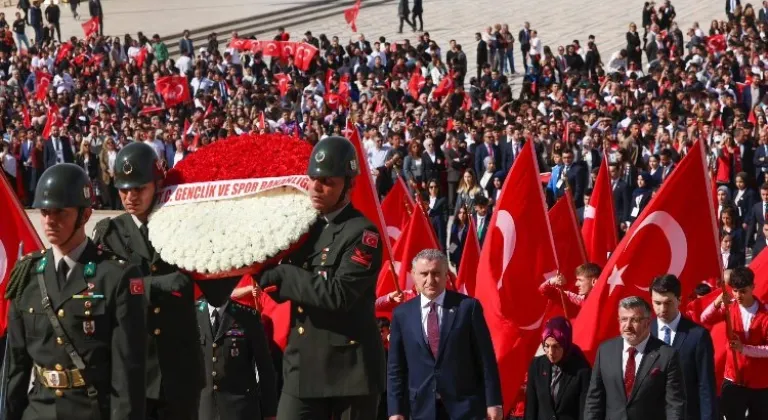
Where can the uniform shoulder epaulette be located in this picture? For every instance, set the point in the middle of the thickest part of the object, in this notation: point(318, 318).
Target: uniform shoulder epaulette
point(201, 305)
point(101, 229)
point(32, 262)
point(235, 306)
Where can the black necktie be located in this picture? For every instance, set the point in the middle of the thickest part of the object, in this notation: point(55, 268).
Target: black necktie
point(216, 321)
point(61, 273)
point(144, 233)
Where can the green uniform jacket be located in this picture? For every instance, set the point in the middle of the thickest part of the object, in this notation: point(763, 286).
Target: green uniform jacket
point(232, 356)
point(174, 359)
point(107, 332)
point(334, 347)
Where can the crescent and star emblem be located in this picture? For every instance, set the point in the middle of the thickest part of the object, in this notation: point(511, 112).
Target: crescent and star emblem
point(393, 232)
point(319, 157)
point(127, 168)
point(678, 245)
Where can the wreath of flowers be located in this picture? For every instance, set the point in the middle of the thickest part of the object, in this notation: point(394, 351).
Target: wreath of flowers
point(228, 237)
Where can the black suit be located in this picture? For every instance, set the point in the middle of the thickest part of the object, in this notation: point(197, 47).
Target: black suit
point(484, 230)
point(755, 223)
point(758, 248)
point(658, 392)
point(50, 157)
point(735, 259)
point(481, 152)
point(482, 56)
point(571, 394)
point(433, 169)
point(577, 180)
point(694, 344)
point(509, 155)
point(438, 215)
point(745, 203)
point(232, 392)
point(747, 157)
point(621, 200)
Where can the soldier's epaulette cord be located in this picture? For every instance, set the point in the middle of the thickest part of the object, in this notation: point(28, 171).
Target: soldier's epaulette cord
point(20, 275)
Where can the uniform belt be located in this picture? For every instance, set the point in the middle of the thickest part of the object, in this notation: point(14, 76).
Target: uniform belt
point(60, 379)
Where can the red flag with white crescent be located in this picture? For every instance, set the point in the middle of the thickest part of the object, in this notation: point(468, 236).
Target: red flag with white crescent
point(518, 255)
point(91, 27)
point(569, 245)
point(174, 89)
point(304, 55)
point(241, 44)
point(466, 279)
point(599, 227)
point(17, 237)
point(675, 234)
point(271, 49)
point(397, 207)
point(42, 84)
point(350, 15)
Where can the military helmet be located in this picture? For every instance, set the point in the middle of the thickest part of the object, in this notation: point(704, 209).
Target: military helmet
point(333, 156)
point(137, 164)
point(62, 186)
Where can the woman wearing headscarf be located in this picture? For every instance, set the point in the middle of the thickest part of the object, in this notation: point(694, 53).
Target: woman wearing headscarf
point(559, 379)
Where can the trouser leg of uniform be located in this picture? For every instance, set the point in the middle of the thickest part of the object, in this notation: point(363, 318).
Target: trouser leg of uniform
point(179, 410)
point(361, 407)
point(733, 401)
point(294, 408)
point(758, 404)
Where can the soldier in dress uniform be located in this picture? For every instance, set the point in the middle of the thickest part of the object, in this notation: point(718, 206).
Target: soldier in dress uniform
point(76, 317)
point(333, 365)
point(240, 377)
point(174, 360)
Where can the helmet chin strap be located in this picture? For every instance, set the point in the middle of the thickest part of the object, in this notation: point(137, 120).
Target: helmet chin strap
point(347, 186)
point(78, 224)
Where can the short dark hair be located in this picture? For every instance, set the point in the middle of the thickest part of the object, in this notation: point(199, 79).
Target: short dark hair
point(481, 200)
point(742, 277)
point(764, 187)
point(667, 283)
point(382, 322)
point(702, 289)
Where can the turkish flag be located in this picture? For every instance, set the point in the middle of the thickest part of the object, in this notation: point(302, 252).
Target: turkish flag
point(27, 120)
point(240, 44)
point(287, 49)
point(416, 83)
point(568, 243)
point(397, 207)
point(262, 121)
point(364, 196)
point(141, 57)
point(149, 110)
point(304, 55)
point(416, 237)
point(17, 237)
point(599, 228)
point(42, 84)
point(466, 280)
point(271, 48)
point(518, 255)
point(344, 89)
point(282, 82)
point(256, 46)
point(445, 86)
point(51, 120)
point(64, 51)
point(715, 43)
point(174, 89)
point(674, 234)
point(350, 15)
point(91, 27)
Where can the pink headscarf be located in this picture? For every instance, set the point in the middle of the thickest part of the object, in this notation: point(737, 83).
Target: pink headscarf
point(560, 329)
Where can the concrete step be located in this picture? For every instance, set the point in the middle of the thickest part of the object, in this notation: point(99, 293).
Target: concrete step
point(268, 24)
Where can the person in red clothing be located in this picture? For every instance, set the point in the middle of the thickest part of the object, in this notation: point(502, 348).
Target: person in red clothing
point(389, 301)
point(745, 387)
point(586, 276)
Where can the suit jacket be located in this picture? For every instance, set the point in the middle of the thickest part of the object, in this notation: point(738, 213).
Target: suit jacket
point(49, 152)
point(171, 323)
point(482, 53)
point(433, 169)
point(728, 6)
point(735, 259)
point(577, 180)
point(763, 15)
point(760, 161)
point(747, 156)
point(658, 392)
point(481, 152)
point(334, 346)
point(694, 345)
point(240, 350)
point(484, 230)
point(463, 373)
point(758, 248)
point(438, 215)
point(572, 392)
point(509, 156)
point(745, 203)
point(755, 223)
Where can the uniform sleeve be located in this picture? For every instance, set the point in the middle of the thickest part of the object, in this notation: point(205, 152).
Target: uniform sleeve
point(129, 349)
point(19, 365)
point(356, 274)
point(267, 375)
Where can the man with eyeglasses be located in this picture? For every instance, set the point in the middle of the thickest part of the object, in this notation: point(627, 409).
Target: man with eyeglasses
point(648, 382)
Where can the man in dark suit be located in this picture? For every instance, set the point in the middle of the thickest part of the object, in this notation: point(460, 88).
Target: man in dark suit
point(620, 190)
point(760, 160)
point(441, 360)
point(730, 6)
point(512, 147)
point(667, 164)
point(333, 366)
point(57, 150)
point(487, 148)
point(569, 174)
point(635, 376)
point(763, 13)
point(438, 212)
point(94, 7)
point(524, 38)
point(756, 218)
point(235, 348)
point(482, 54)
point(746, 149)
point(692, 342)
point(482, 217)
point(760, 244)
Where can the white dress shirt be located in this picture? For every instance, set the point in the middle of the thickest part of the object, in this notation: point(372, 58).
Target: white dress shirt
point(70, 258)
point(212, 308)
point(425, 311)
point(638, 355)
point(672, 327)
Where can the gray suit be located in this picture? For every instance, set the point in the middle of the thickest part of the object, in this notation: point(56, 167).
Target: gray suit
point(658, 393)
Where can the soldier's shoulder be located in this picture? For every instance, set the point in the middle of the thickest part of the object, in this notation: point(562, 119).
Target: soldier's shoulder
point(34, 262)
point(358, 221)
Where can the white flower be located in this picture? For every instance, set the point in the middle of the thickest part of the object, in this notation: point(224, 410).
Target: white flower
point(218, 236)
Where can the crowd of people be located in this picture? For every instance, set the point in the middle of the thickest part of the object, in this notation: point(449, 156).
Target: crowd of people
point(452, 132)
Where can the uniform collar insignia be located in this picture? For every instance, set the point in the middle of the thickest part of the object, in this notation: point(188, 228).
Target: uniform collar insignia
point(41, 264)
point(202, 306)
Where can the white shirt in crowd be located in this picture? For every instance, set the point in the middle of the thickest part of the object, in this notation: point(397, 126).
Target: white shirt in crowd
point(672, 327)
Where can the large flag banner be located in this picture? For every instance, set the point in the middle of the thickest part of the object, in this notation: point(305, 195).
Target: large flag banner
point(466, 280)
point(397, 207)
point(568, 243)
point(518, 255)
point(674, 234)
point(599, 228)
